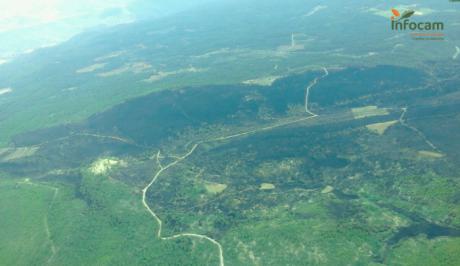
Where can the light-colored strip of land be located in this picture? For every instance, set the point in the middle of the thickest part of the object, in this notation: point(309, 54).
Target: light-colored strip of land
point(114, 138)
point(315, 10)
point(307, 93)
point(403, 122)
point(90, 68)
point(5, 91)
point(457, 53)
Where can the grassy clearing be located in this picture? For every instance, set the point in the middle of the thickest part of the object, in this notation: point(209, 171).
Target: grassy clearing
point(264, 81)
point(430, 154)
point(8, 154)
point(368, 111)
point(90, 68)
point(267, 186)
point(380, 128)
point(327, 189)
point(215, 188)
point(134, 68)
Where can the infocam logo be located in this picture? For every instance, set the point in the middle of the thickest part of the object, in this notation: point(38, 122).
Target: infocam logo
point(402, 22)
point(426, 29)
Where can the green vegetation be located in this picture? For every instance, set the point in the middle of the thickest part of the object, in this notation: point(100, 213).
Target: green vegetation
point(94, 71)
point(424, 252)
point(270, 183)
point(107, 226)
point(24, 210)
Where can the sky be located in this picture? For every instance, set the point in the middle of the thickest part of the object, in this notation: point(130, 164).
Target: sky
point(18, 14)
point(26, 25)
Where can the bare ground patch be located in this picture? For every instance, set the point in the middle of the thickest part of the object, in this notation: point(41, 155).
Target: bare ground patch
point(368, 111)
point(380, 128)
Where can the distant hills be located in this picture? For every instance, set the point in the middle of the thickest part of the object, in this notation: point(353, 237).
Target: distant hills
point(225, 43)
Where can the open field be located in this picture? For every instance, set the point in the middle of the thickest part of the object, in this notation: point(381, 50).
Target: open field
point(380, 128)
point(24, 210)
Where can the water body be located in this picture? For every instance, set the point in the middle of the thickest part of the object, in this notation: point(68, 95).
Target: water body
point(420, 226)
point(431, 231)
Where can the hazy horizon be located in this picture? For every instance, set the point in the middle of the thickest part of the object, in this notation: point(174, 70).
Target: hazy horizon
point(26, 25)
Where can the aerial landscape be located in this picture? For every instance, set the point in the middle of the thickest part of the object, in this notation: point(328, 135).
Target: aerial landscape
point(230, 132)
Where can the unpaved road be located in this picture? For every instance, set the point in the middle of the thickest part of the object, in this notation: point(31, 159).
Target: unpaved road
point(192, 150)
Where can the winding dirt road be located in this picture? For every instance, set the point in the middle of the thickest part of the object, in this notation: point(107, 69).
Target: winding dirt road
point(307, 92)
point(192, 150)
point(403, 122)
